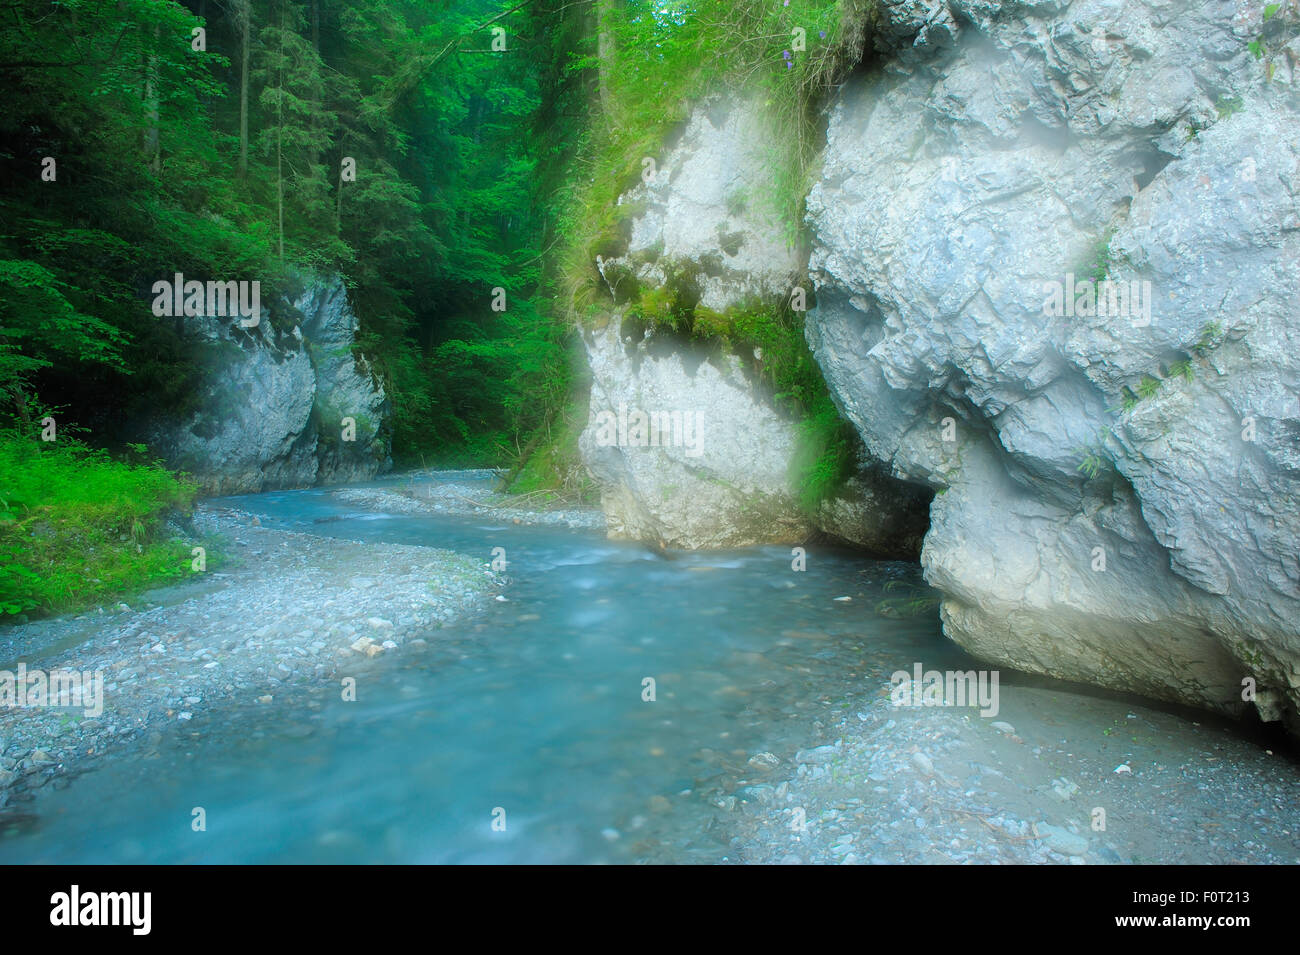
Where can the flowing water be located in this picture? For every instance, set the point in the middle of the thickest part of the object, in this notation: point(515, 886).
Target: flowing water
point(534, 709)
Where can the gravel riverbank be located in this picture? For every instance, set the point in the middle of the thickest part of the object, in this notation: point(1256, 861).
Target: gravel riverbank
point(447, 496)
point(287, 610)
point(1057, 779)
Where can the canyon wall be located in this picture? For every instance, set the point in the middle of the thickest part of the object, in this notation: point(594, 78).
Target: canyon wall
point(1116, 476)
point(1054, 250)
point(710, 463)
point(274, 400)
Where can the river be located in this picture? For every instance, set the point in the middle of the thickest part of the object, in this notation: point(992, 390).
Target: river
point(525, 733)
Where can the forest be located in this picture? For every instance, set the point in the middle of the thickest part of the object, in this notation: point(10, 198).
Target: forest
point(457, 163)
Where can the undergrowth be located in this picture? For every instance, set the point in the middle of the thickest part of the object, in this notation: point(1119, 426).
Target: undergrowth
point(77, 526)
point(661, 57)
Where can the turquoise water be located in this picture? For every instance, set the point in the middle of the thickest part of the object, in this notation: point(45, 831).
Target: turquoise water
point(534, 708)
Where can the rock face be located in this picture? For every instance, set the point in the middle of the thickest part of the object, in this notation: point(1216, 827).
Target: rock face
point(273, 409)
point(704, 217)
point(711, 472)
point(687, 447)
point(1116, 466)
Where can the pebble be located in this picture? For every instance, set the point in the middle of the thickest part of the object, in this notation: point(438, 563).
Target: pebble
point(1062, 840)
point(816, 755)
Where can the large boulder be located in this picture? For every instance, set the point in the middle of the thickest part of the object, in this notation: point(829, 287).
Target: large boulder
point(1115, 476)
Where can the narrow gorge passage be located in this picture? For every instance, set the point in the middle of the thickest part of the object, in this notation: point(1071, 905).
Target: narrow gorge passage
point(682, 433)
point(771, 736)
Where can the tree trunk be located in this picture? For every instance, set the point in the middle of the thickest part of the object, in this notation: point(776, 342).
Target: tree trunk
point(279, 144)
point(244, 13)
point(151, 146)
point(338, 204)
point(604, 52)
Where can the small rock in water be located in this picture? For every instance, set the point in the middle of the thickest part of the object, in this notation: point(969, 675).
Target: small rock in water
point(923, 764)
point(1062, 840)
point(818, 754)
point(1002, 727)
point(1123, 768)
point(764, 760)
point(1064, 790)
point(612, 835)
point(1107, 854)
point(843, 599)
point(379, 623)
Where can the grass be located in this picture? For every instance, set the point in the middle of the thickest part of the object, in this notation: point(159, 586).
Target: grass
point(552, 474)
point(77, 527)
point(665, 55)
point(1093, 463)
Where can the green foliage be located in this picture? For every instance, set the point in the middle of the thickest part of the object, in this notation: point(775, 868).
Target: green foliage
point(1211, 337)
point(1093, 463)
point(476, 169)
point(553, 473)
point(1099, 260)
point(1280, 24)
point(147, 136)
point(642, 64)
point(1227, 105)
point(77, 527)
